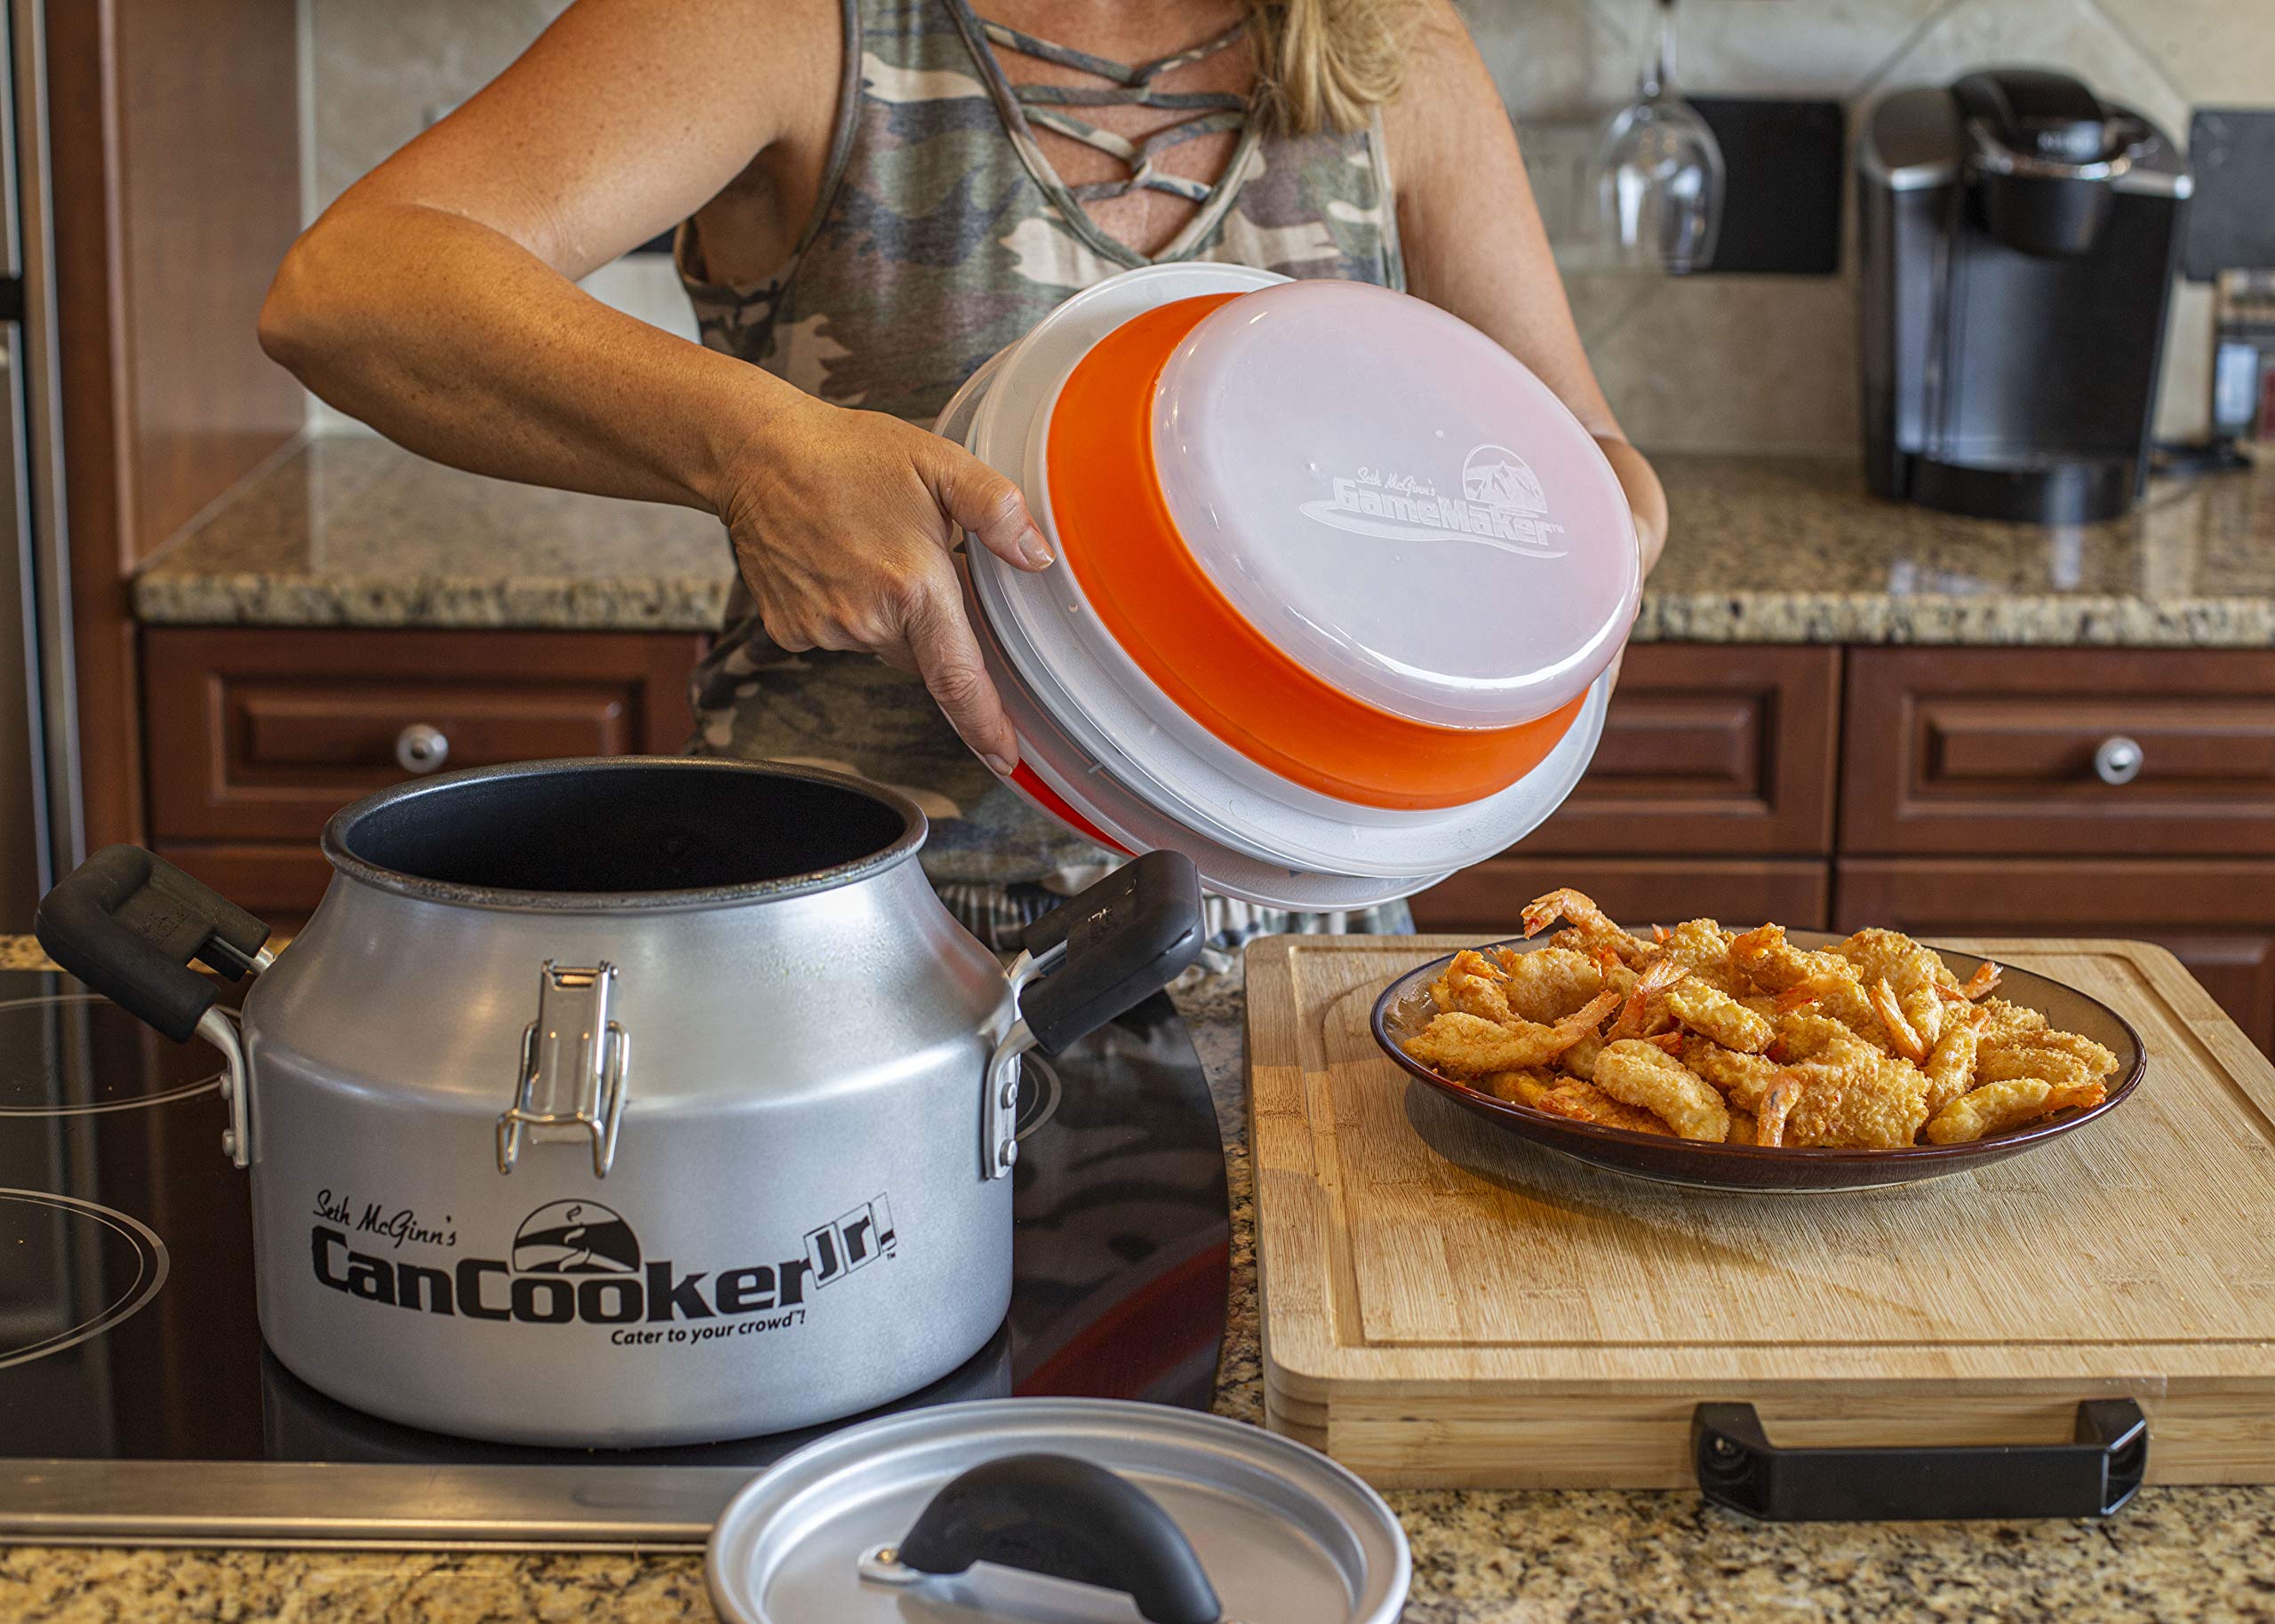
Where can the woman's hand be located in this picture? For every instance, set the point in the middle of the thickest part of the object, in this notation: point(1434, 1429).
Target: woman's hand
point(842, 524)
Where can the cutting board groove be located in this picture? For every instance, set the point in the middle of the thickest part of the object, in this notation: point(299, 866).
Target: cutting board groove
point(1445, 1305)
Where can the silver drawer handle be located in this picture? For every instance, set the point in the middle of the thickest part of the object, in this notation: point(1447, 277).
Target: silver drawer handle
point(2118, 760)
point(421, 749)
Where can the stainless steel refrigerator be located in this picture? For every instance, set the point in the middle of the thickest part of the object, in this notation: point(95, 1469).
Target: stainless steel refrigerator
point(40, 824)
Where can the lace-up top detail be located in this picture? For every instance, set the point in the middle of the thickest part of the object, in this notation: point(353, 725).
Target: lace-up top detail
point(1213, 112)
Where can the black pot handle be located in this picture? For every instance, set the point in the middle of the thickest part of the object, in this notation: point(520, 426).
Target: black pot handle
point(128, 923)
point(1738, 1466)
point(1125, 939)
point(1064, 1517)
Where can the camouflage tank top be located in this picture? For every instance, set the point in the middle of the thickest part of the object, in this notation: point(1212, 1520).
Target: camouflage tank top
point(942, 235)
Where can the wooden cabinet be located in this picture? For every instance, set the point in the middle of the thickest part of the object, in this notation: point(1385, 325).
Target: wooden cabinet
point(1974, 795)
point(2162, 753)
point(1710, 793)
point(1486, 901)
point(1709, 748)
point(2217, 916)
point(256, 736)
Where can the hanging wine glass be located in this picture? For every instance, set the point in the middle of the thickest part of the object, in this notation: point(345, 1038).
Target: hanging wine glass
point(1658, 172)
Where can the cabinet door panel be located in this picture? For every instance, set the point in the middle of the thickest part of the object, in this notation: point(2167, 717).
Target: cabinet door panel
point(1486, 900)
point(280, 884)
point(1996, 749)
point(259, 734)
point(2218, 918)
point(1710, 748)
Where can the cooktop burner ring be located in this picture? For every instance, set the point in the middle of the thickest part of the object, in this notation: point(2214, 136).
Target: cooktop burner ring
point(152, 1265)
point(180, 1091)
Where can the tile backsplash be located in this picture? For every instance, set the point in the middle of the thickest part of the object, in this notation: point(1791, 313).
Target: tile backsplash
point(1707, 364)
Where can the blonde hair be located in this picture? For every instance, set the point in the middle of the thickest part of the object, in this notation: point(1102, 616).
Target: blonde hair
point(1328, 64)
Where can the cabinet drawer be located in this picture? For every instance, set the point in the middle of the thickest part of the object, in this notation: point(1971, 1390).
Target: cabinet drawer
point(1709, 748)
point(1976, 750)
point(2218, 918)
point(261, 735)
point(1486, 900)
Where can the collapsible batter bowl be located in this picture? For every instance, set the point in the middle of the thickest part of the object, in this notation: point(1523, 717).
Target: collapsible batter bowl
point(1339, 580)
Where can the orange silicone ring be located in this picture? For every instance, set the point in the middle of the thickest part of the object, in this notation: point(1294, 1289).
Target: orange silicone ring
point(1156, 601)
point(1051, 801)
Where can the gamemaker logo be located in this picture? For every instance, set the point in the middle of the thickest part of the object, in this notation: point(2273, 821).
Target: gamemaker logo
point(1502, 505)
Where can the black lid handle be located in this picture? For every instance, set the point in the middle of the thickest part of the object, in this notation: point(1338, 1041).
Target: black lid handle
point(1067, 1518)
point(128, 923)
point(2092, 1475)
point(1126, 938)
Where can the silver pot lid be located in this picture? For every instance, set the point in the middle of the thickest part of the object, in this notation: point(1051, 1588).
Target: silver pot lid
point(965, 1512)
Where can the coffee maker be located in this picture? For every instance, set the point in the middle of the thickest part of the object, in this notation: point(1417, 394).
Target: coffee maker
point(2018, 238)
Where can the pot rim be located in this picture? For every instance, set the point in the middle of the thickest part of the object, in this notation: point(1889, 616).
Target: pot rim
point(915, 829)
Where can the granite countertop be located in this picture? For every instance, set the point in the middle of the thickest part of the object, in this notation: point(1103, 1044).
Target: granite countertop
point(1480, 1557)
point(349, 530)
point(352, 531)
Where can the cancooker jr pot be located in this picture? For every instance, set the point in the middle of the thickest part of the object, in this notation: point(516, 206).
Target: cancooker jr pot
point(629, 1102)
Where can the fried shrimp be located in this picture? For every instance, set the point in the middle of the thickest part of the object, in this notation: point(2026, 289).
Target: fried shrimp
point(1641, 1012)
point(2004, 1023)
point(1914, 972)
point(1550, 982)
point(1996, 1107)
point(1582, 1102)
point(1708, 1009)
point(1777, 1107)
point(1951, 1067)
point(1526, 1088)
point(1745, 1038)
point(1473, 985)
point(1464, 1045)
point(1645, 1075)
point(1905, 1040)
point(1766, 959)
point(1837, 996)
point(1986, 977)
point(1703, 948)
point(1878, 1104)
point(1806, 1035)
point(2004, 1064)
point(2010, 1049)
point(1578, 910)
point(1742, 1079)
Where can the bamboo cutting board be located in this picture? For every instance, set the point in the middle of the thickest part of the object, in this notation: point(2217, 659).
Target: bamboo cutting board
point(1445, 1305)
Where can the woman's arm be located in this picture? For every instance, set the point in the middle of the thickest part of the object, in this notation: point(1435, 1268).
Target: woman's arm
point(436, 301)
point(1475, 244)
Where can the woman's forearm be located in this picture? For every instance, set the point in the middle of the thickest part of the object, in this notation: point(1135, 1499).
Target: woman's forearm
point(450, 339)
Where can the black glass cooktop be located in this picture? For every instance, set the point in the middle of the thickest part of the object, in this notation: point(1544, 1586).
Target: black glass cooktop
point(137, 1401)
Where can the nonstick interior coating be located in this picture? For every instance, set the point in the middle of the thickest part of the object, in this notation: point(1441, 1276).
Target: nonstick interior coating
point(608, 829)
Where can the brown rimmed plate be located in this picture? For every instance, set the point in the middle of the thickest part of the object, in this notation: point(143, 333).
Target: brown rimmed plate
point(1405, 1007)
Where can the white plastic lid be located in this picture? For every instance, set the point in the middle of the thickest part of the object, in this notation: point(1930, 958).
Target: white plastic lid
point(1396, 502)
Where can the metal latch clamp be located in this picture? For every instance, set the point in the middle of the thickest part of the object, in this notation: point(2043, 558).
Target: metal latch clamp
point(999, 1104)
point(573, 1060)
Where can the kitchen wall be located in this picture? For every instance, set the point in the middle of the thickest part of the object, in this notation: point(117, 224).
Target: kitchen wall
point(1770, 362)
point(377, 72)
point(1710, 362)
